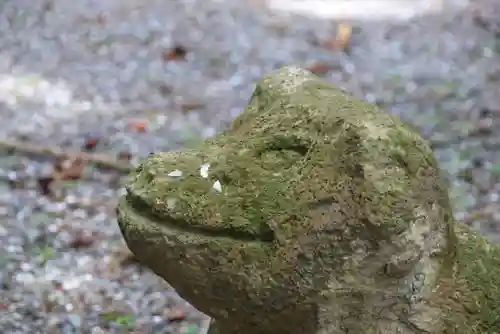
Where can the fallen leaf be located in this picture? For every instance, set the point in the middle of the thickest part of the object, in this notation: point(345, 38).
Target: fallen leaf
point(124, 156)
point(319, 67)
point(101, 19)
point(65, 169)
point(72, 169)
point(178, 52)
point(90, 143)
point(122, 319)
point(175, 314)
point(139, 125)
point(58, 285)
point(191, 106)
point(82, 239)
point(342, 38)
point(125, 321)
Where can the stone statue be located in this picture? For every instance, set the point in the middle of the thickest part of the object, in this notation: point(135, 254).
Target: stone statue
point(314, 213)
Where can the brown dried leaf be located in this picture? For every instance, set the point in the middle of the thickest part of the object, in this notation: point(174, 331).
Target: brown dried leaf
point(73, 169)
point(186, 107)
point(124, 156)
point(175, 314)
point(140, 125)
point(82, 239)
point(319, 67)
point(342, 38)
point(90, 143)
point(178, 52)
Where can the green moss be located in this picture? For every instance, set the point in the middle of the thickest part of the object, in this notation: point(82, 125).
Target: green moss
point(479, 271)
point(316, 187)
point(284, 153)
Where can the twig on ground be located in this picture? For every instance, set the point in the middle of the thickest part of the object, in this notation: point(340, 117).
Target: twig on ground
point(99, 160)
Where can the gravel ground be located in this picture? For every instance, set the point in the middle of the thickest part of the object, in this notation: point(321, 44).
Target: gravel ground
point(133, 77)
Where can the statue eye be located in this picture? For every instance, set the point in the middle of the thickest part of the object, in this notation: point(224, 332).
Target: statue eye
point(266, 233)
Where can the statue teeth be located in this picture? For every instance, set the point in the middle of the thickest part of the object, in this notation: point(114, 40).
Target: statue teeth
point(204, 170)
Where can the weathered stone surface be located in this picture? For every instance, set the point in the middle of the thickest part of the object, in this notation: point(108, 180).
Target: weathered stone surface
point(314, 213)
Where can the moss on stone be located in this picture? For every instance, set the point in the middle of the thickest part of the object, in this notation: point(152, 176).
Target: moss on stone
point(478, 279)
point(314, 213)
point(286, 152)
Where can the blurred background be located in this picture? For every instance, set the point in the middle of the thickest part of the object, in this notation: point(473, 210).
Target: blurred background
point(89, 87)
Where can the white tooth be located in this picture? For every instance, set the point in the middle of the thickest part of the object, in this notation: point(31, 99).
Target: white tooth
point(204, 170)
point(175, 173)
point(217, 186)
point(171, 203)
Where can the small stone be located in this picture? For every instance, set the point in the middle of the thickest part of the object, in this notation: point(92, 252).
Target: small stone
point(71, 199)
point(72, 283)
point(26, 266)
point(26, 278)
point(75, 320)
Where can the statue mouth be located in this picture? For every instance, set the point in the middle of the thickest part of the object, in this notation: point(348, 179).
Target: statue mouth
point(141, 208)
